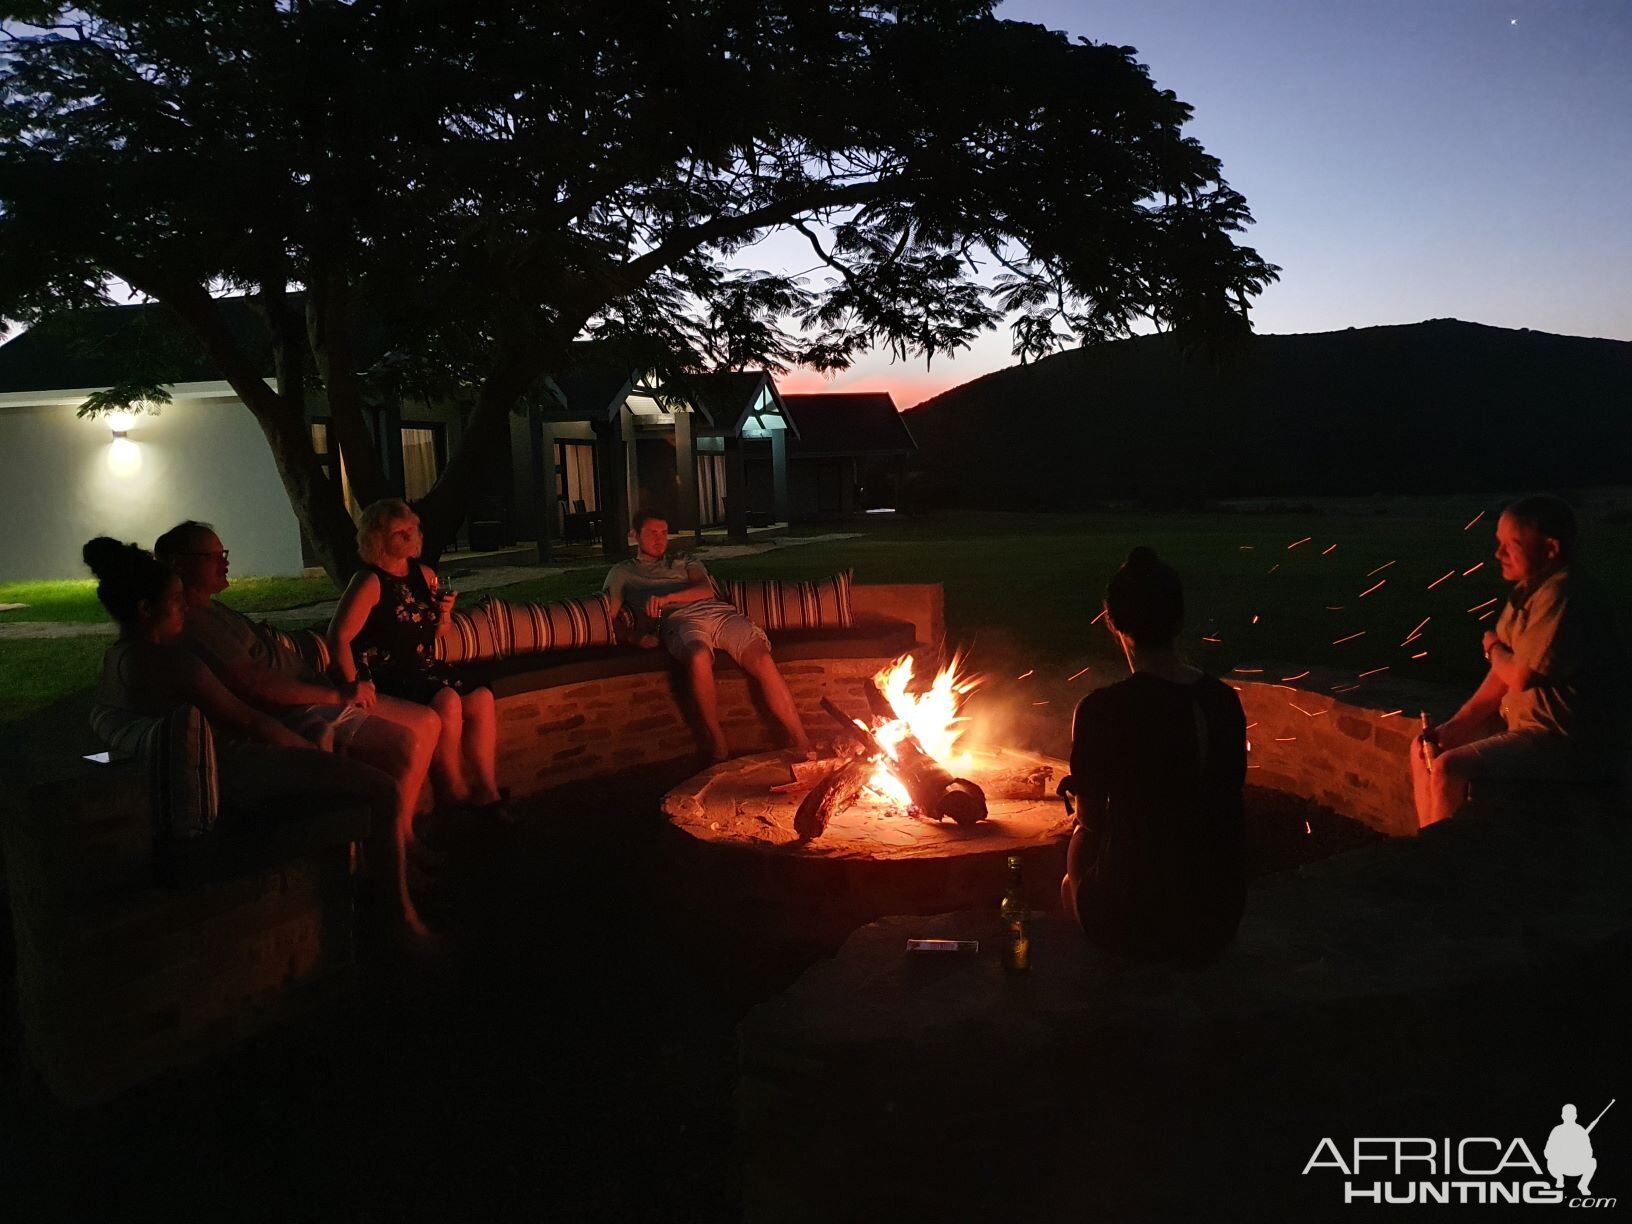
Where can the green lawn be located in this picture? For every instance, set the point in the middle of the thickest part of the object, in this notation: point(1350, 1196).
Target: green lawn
point(74, 601)
point(1027, 587)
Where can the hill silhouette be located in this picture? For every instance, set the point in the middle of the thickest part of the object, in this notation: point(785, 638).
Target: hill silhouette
point(1441, 406)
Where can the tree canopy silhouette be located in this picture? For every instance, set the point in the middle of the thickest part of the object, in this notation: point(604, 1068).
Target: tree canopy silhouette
point(475, 187)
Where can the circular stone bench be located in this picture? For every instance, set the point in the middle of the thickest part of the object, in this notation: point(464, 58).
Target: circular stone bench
point(1368, 994)
point(588, 713)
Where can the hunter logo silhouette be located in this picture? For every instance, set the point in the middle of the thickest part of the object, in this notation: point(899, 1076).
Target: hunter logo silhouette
point(1569, 1149)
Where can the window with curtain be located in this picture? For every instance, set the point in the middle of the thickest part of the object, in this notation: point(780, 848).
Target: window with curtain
point(710, 489)
point(419, 466)
point(575, 477)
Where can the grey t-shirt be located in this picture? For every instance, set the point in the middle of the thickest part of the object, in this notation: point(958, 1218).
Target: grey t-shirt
point(1564, 631)
point(632, 582)
point(224, 639)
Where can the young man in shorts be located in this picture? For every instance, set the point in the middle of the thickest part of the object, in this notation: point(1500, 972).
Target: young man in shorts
point(674, 605)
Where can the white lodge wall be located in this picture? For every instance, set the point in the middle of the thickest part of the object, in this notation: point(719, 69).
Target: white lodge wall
point(66, 480)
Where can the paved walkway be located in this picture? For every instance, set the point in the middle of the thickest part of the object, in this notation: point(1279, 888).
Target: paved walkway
point(464, 580)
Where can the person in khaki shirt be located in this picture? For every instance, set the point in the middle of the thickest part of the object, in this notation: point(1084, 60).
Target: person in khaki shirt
point(1547, 707)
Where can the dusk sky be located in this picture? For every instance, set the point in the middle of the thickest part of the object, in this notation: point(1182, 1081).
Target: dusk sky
point(1404, 159)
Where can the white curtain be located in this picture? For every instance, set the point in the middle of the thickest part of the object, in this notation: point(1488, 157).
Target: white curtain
point(418, 462)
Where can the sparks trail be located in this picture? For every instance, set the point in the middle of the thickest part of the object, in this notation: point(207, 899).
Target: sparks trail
point(1328, 550)
point(1299, 676)
point(1487, 615)
point(1372, 672)
point(1097, 619)
point(1391, 713)
point(1379, 569)
point(1381, 583)
point(1423, 655)
point(1350, 638)
point(1304, 712)
point(1255, 618)
point(1486, 604)
point(1334, 607)
point(1474, 520)
point(1248, 671)
point(1074, 675)
point(1474, 570)
point(1295, 543)
point(1447, 574)
point(1416, 631)
point(1272, 569)
point(1216, 641)
point(1023, 675)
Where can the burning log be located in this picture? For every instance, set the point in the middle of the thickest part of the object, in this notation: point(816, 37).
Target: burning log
point(934, 791)
point(831, 796)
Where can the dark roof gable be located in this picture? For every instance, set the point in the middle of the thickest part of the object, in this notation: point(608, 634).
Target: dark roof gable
point(848, 423)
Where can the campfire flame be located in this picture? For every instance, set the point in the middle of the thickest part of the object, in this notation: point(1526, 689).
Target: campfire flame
point(931, 716)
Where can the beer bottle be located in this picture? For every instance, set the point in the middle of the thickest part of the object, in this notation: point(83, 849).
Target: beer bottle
point(1016, 922)
point(1430, 745)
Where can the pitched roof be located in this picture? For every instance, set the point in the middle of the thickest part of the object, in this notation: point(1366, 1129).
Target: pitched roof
point(728, 397)
point(110, 345)
point(848, 423)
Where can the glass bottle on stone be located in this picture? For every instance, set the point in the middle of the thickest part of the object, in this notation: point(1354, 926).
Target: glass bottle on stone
point(1016, 922)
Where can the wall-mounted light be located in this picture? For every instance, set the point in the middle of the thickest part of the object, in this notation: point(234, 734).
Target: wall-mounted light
point(120, 423)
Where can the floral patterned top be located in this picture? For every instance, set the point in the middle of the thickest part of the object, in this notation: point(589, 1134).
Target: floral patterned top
point(397, 642)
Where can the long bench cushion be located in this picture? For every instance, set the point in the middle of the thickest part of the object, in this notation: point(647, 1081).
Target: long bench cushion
point(869, 637)
point(774, 603)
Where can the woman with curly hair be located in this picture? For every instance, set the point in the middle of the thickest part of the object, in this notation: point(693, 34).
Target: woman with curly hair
point(387, 623)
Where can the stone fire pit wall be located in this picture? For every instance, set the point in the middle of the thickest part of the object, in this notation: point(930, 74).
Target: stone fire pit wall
point(1346, 751)
point(550, 735)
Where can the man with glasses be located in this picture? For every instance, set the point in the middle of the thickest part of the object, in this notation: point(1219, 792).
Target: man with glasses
point(394, 736)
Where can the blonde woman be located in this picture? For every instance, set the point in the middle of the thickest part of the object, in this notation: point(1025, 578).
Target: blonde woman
point(387, 623)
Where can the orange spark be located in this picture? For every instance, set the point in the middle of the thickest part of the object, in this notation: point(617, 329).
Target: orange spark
point(1370, 589)
point(1487, 615)
point(1440, 579)
point(1299, 676)
point(1391, 713)
point(1423, 655)
point(1328, 550)
point(1474, 570)
point(1038, 703)
point(1026, 673)
point(1417, 630)
point(1255, 618)
point(1379, 569)
point(1286, 739)
point(1334, 607)
point(1097, 619)
point(1304, 712)
point(1251, 725)
point(1245, 547)
point(1344, 688)
point(1350, 638)
point(1486, 604)
point(1255, 671)
point(1272, 569)
point(1295, 543)
point(1072, 677)
point(1217, 641)
point(1474, 520)
point(1306, 829)
point(1372, 672)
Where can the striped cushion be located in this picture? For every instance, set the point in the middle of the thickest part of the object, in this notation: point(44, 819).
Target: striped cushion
point(823, 603)
point(566, 624)
point(301, 652)
point(178, 751)
point(466, 636)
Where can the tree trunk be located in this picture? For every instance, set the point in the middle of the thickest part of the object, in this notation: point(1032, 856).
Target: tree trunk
point(445, 506)
point(329, 323)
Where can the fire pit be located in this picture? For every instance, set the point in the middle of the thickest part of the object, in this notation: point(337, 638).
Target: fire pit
point(897, 816)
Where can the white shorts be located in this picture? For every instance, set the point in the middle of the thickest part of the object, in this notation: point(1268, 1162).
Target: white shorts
point(713, 625)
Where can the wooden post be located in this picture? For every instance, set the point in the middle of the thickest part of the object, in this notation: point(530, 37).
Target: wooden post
point(736, 489)
point(612, 470)
point(687, 517)
point(779, 474)
point(541, 476)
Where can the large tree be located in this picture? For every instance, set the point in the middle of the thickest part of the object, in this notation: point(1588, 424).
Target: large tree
point(475, 187)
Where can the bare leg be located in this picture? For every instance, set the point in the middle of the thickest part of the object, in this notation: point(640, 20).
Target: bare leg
point(757, 662)
point(402, 750)
point(700, 663)
point(481, 744)
point(447, 764)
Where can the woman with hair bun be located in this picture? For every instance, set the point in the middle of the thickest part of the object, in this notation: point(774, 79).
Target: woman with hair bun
point(1158, 761)
point(265, 770)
